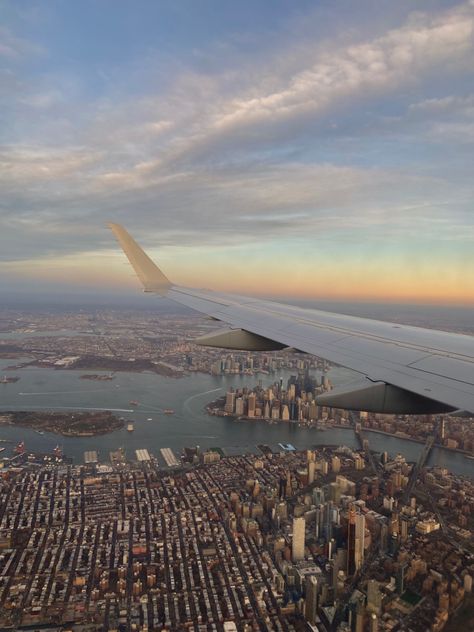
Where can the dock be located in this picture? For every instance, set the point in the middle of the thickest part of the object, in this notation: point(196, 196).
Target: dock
point(90, 456)
point(143, 455)
point(169, 457)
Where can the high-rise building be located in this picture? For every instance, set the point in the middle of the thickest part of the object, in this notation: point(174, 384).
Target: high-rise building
point(360, 616)
point(251, 404)
point(400, 578)
point(266, 410)
point(373, 623)
point(374, 597)
point(360, 541)
point(334, 492)
point(239, 406)
point(351, 529)
point(311, 471)
point(299, 525)
point(355, 541)
point(336, 464)
point(404, 524)
point(282, 487)
point(394, 523)
point(318, 496)
point(383, 542)
point(311, 599)
point(229, 402)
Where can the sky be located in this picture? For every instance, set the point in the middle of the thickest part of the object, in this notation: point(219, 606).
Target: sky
point(290, 148)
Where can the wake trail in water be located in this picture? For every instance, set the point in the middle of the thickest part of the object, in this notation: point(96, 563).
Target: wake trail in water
point(71, 408)
point(190, 399)
point(93, 390)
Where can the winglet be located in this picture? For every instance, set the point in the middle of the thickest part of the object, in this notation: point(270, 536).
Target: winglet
point(148, 272)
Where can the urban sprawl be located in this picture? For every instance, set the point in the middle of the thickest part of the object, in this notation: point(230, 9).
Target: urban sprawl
point(323, 539)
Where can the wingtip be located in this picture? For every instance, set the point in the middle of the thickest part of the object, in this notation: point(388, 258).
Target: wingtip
point(148, 272)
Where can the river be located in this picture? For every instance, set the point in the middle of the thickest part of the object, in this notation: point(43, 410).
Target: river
point(40, 389)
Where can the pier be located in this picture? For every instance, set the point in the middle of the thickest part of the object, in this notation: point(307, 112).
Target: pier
point(143, 455)
point(169, 457)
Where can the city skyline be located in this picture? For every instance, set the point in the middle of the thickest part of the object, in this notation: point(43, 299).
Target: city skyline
point(326, 148)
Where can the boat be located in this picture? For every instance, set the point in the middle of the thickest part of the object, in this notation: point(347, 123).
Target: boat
point(130, 427)
point(150, 419)
point(168, 411)
point(134, 402)
point(40, 432)
point(20, 448)
point(2, 450)
point(9, 380)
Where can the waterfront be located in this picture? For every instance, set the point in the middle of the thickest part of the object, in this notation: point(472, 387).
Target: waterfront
point(40, 389)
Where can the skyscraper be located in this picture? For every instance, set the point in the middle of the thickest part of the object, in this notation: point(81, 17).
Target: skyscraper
point(374, 597)
point(229, 402)
point(299, 525)
point(355, 541)
point(239, 406)
point(311, 599)
point(359, 541)
point(351, 542)
point(251, 404)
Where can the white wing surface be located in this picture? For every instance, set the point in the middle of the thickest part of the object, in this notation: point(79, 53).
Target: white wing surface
point(403, 369)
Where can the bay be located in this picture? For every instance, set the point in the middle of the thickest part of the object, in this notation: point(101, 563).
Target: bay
point(49, 389)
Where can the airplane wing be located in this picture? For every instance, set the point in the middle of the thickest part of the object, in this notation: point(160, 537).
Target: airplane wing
point(403, 369)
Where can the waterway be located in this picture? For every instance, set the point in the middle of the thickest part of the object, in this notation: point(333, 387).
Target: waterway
point(40, 389)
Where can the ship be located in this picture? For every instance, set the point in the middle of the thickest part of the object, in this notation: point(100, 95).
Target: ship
point(133, 402)
point(130, 427)
point(98, 377)
point(20, 448)
point(168, 411)
point(2, 450)
point(9, 380)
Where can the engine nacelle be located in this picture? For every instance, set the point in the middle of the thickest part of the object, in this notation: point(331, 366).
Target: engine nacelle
point(239, 340)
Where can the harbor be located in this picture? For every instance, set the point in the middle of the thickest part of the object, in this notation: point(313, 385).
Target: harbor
point(58, 390)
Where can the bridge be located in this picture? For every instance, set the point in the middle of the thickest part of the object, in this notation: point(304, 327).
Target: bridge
point(370, 457)
point(425, 453)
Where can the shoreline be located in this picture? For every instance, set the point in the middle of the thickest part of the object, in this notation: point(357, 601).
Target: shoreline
point(421, 441)
point(242, 419)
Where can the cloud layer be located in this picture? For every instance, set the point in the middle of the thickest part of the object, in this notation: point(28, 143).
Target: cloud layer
point(359, 138)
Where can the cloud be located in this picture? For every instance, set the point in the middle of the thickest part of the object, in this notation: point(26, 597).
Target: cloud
point(450, 104)
point(14, 48)
point(239, 154)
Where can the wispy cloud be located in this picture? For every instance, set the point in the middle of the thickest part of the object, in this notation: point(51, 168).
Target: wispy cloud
point(14, 48)
point(302, 139)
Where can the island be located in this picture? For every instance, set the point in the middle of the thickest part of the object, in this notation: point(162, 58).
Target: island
point(66, 423)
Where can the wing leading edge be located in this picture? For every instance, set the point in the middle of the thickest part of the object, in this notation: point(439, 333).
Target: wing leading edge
point(403, 369)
